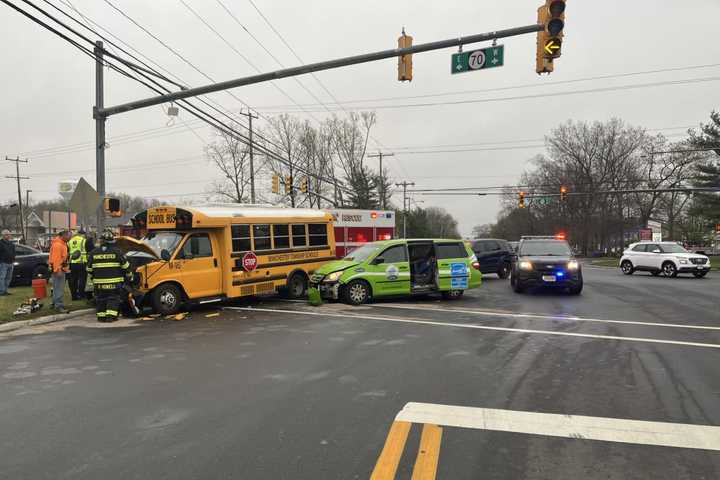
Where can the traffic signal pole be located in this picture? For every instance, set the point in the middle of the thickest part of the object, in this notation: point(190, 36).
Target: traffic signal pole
point(99, 134)
point(315, 67)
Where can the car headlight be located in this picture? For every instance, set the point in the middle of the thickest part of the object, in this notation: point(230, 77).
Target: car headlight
point(682, 261)
point(333, 277)
point(15, 264)
point(525, 266)
point(573, 265)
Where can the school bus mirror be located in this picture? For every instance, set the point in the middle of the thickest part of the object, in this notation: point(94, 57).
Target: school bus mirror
point(165, 255)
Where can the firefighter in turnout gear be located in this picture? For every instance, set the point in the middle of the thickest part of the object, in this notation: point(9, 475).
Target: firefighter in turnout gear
point(78, 262)
point(110, 270)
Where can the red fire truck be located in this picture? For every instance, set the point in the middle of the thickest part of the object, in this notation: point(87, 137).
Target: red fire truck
point(353, 228)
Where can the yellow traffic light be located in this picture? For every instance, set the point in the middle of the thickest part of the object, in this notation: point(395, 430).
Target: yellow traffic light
point(549, 40)
point(276, 183)
point(288, 184)
point(112, 207)
point(304, 185)
point(563, 193)
point(405, 61)
point(521, 199)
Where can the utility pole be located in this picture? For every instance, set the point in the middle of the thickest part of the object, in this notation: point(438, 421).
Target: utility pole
point(17, 178)
point(99, 134)
point(250, 116)
point(404, 186)
point(381, 190)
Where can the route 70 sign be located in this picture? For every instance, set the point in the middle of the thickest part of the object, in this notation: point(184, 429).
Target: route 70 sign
point(478, 59)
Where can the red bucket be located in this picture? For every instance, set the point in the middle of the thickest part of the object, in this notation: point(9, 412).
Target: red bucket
point(39, 286)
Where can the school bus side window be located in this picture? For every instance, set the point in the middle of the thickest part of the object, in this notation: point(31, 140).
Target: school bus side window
point(261, 237)
point(197, 246)
point(281, 238)
point(241, 238)
point(318, 234)
point(299, 237)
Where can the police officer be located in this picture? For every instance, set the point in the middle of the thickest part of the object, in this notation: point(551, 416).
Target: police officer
point(109, 269)
point(78, 260)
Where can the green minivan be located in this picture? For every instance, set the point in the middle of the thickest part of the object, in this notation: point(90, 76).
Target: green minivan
point(400, 267)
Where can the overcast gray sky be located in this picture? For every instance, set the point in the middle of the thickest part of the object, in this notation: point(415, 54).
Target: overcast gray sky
point(48, 86)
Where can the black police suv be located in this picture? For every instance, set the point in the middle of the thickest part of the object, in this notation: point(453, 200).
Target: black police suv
point(546, 262)
point(494, 255)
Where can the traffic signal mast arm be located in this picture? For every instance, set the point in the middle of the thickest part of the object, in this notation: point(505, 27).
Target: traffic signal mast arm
point(314, 67)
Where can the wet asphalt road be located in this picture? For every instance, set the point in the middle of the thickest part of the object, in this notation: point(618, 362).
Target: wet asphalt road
point(286, 391)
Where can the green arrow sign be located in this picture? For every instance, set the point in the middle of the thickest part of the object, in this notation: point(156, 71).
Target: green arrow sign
point(478, 59)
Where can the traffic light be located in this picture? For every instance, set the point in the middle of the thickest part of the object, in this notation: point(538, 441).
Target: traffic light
point(288, 184)
point(304, 185)
point(563, 193)
point(276, 183)
point(521, 199)
point(112, 207)
point(549, 40)
point(405, 61)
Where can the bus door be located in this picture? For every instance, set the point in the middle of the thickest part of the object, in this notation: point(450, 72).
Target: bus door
point(200, 266)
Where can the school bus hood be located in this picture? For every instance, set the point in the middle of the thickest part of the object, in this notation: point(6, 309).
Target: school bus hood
point(129, 244)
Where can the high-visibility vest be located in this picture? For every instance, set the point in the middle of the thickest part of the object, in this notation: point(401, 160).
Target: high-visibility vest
point(77, 244)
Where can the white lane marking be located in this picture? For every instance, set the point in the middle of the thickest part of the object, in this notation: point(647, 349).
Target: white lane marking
point(640, 432)
point(490, 313)
point(477, 327)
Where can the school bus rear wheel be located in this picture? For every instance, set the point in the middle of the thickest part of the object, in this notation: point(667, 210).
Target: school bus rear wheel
point(166, 299)
point(297, 285)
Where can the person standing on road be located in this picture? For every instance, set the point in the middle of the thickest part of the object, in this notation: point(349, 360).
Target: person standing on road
point(78, 259)
point(59, 267)
point(7, 262)
point(109, 270)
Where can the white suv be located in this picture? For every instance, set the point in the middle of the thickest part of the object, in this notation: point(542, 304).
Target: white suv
point(667, 258)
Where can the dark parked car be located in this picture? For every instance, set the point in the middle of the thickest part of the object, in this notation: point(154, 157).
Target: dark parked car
point(29, 263)
point(494, 255)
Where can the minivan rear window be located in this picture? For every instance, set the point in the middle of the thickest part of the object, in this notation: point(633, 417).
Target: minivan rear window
point(450, 250)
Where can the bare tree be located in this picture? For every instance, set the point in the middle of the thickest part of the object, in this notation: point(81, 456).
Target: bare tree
point(231, 156)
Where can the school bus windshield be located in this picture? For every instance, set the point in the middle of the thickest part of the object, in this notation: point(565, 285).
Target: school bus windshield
point(160, 241)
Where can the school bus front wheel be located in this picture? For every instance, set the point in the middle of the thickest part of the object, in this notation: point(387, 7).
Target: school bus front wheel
point(166, 299)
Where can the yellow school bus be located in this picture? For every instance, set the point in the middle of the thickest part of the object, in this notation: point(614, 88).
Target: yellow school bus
point(215, 252)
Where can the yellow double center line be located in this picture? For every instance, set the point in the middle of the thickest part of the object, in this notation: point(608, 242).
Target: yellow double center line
point(426, 462)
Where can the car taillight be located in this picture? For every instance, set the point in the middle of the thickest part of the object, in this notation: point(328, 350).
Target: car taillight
point(476, 265)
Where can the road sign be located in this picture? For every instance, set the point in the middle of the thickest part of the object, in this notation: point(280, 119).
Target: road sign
point(85, 200)
point(478, 59)
point(249, 261)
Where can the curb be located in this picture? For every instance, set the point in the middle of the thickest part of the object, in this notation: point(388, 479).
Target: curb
point(9, 327)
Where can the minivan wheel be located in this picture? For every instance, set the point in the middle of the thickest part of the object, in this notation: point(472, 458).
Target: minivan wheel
point(669, 269)
point(357, 292)
point(516, 285)
point(166, 299)
point(700, 274)
point(452, 294)
point(627, 267)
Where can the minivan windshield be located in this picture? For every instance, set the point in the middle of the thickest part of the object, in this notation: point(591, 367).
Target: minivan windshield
point(363, 253)
point(545, 248)
point(160, 241)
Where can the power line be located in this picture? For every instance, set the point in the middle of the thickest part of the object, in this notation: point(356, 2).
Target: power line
point(521, 86)
point(525, 97)
point(192, 109)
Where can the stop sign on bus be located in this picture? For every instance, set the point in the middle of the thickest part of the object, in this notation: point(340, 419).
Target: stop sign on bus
point(249, 261)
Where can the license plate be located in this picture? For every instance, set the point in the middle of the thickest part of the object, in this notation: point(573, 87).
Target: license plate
point(548, 278)
point(702, 267)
